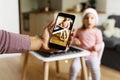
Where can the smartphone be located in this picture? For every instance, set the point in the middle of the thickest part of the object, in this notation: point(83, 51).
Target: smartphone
point(61, 31)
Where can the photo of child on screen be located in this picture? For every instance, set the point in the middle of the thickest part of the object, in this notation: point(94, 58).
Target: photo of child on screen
point(64, 24)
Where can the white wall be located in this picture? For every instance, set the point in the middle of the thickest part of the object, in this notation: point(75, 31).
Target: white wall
point(101, 5)
point(29, 5)
point(113, 7)
point(66, 4)
point(9, 19)
point(109, 6)
point(56, 4)
point(9, 15)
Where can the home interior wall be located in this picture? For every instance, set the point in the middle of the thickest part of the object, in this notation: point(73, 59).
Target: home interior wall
point(9, 19)
point(105, 6)
point(9, 15)
point(113, 7)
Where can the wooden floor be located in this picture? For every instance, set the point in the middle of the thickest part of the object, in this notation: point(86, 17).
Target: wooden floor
point(10, 69)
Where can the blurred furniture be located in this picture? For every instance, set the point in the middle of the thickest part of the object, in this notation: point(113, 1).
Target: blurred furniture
point(33, 23)
point(71, 53)
point(111, 55)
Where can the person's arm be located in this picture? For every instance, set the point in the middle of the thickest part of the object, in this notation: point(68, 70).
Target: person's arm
point(36, 43)
point(13, 43)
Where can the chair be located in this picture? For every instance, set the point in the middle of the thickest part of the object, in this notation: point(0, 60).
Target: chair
point(100, 57)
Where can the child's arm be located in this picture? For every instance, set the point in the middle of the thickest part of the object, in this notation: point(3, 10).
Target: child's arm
point(99, 40)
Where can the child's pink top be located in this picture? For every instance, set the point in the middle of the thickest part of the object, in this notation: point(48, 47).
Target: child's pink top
point(90, 38)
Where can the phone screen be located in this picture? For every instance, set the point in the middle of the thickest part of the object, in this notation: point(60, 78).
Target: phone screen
point(61, 31)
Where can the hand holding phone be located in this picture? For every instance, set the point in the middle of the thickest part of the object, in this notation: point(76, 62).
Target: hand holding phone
point(61, 31)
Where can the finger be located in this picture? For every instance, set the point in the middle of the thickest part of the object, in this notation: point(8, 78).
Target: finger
point(70, 40)
point(72, 32)
point(49, 26)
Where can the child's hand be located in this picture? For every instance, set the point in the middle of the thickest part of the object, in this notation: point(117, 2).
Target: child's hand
point(93, 49)
point(77, 42)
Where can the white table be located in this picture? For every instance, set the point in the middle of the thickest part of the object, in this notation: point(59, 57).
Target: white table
point(46, 61)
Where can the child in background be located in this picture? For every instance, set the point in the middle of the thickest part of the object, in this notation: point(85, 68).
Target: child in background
point(90, 38)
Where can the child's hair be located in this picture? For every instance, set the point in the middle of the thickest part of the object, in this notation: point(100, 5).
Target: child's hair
point(92, 11)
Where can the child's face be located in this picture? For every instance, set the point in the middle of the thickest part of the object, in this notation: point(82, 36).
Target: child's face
point(89, 21)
